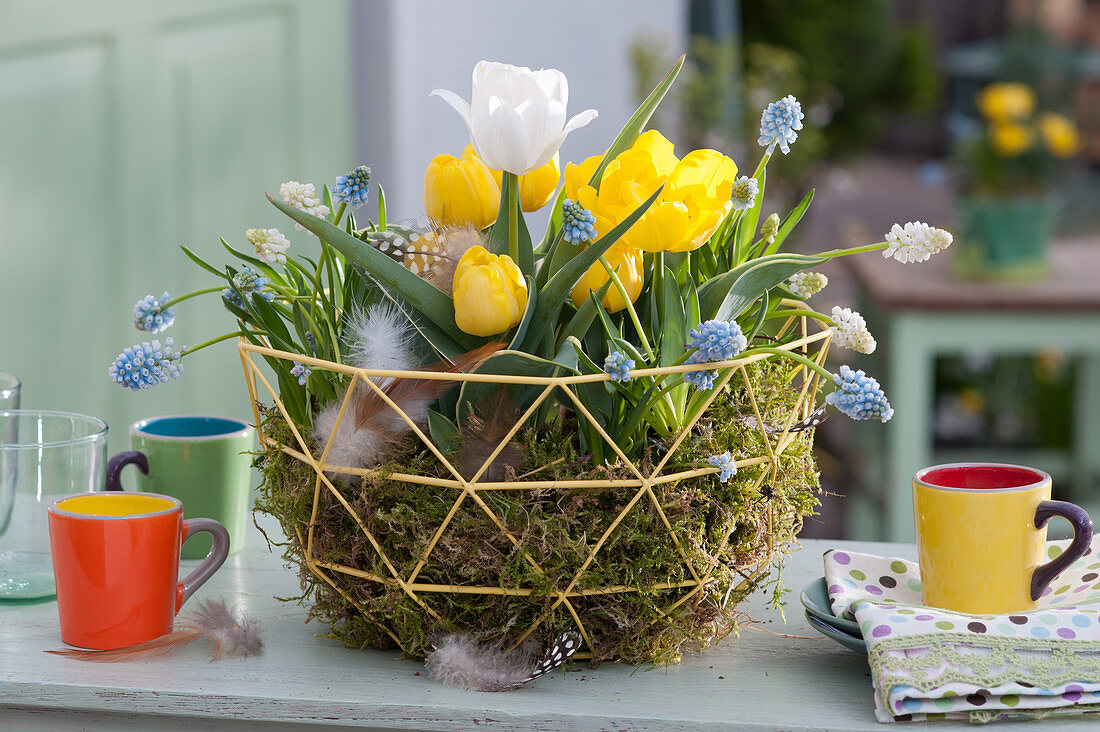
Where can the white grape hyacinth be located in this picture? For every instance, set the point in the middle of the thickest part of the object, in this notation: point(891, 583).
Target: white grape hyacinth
point(850, 331)
point(915, 242)
point(303, 196)
point(805, 284)
point(270, 244)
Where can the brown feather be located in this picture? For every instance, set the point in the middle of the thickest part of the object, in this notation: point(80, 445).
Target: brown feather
point(481, 435)
point(406, 391)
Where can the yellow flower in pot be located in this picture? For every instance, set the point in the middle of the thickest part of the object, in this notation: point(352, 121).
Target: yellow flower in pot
point(1003, 102)
point(1059, 135)
point(1007, 208)
point(1010, 139)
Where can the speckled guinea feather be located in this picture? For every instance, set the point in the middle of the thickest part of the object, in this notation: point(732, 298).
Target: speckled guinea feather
point(230, 637)
point(431, 253)
point(459, 660)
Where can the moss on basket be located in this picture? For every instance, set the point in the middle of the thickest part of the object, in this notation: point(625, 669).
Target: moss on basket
point(730, 533)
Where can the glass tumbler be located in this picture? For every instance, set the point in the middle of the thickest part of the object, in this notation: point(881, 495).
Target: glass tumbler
point(43, 456)
point(9, 392)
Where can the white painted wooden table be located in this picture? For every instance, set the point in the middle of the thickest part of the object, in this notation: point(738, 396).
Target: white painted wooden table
point(797, 681)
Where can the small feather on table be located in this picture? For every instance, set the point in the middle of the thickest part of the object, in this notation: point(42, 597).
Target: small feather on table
point(459, 660)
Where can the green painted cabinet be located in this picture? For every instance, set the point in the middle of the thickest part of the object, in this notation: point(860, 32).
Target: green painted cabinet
point(127, 129)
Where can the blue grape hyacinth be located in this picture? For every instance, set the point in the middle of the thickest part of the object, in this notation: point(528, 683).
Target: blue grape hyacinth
point(779, 122)
point(701, 380)
point(744, 192)
point(725, 465)
point(250, 284)
point(618, 366)
point(301, 372)
point(717, 340)
point(859, 396)
point(353, 187)
point(145, 365)
point(151, 315)
point(577, 223)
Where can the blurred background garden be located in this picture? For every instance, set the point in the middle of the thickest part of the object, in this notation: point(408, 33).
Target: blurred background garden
point(128, 129)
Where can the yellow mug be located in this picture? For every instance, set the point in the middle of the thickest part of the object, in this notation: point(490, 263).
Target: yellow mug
point(981, 536)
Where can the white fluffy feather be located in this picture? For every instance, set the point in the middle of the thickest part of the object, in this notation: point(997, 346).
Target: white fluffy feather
point(380, 337)
point(351, 448)
point(459, 660)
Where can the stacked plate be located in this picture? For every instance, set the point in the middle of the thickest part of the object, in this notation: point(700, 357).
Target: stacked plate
point(819, 613)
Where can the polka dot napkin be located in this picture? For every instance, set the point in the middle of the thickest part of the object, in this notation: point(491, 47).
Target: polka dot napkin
point(928, 663)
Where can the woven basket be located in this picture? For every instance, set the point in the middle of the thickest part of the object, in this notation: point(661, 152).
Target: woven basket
point(640, 489)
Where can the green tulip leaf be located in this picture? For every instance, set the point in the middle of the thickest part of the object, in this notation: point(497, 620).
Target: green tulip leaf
point(582, 320)
point(674, 328)
point(727, 296)
point(425, 298)
point(443, 431)
point(528, 311)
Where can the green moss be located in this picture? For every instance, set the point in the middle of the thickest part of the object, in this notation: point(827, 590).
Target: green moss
point(732, 531)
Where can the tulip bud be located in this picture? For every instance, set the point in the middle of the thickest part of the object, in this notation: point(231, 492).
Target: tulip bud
point(460, 192)
point(490, 293)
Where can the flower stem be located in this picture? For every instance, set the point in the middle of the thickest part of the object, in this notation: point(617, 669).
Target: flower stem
point(799, 313)
point(339, 213)
point(512, 203)
point(763, 162)
point(224, 337)
point(629, 306)
point(188, 296)
point(877, 246)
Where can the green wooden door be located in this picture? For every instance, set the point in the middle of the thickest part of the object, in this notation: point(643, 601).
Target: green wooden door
point(127, 129)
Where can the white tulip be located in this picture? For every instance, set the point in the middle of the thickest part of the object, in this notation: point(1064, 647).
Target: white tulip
point(516, 116)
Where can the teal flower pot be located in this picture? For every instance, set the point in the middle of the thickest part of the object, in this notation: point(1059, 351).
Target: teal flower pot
point(1004, 238)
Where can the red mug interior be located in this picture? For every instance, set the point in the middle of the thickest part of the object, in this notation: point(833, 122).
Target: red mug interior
point(981, 477)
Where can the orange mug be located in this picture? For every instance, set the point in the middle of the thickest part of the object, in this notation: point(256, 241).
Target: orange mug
point(116, 565)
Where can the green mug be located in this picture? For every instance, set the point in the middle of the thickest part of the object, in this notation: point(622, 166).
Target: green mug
point(202, 461)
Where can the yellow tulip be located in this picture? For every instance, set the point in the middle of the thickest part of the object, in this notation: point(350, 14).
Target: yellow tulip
point(536, 188)
point(627, 262)
point(490, 293)
point(1006, 101)
point(577, 175)
point(1059, 134)
point(695, 199)
point(460, 191)
point(1010, 139)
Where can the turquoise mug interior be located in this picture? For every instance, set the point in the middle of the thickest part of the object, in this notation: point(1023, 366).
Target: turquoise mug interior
point(190, 426)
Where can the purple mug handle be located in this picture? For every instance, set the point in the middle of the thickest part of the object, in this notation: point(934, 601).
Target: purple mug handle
point(118, 462)
point(1082, 540)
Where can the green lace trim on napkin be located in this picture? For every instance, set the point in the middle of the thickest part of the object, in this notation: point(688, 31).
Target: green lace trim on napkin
point(986, 663)
point(984, 716)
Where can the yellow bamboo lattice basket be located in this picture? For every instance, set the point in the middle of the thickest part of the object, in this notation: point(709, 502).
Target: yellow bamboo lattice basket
point(812, 340)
